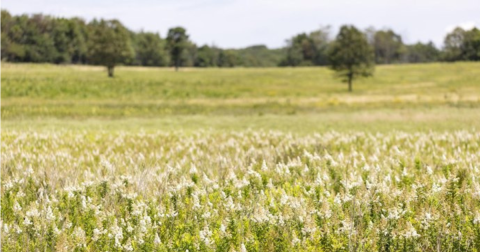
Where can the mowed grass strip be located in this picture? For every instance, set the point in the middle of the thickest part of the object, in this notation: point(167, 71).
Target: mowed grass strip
point(369, 120)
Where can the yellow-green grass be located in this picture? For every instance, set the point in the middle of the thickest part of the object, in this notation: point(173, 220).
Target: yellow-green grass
point(381, 120)
point(423, 96)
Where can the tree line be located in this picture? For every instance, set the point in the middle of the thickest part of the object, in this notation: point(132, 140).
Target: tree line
point(312, 49)
point(43, 38)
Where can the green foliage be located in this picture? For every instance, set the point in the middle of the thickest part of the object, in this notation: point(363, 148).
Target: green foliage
point(109, 44)
point(421, 53)
point(253, 56)
point(388, 47)
point(259, 56)
point(207, 56)
point(40, 38)
point(177, 43)
point(190, 54)
point(27, 39)
point(228, 58)
point(351, 56)
point(462, 45)
point(308, 50)
point(69, 37)
point(43, 39)
point(150, 50)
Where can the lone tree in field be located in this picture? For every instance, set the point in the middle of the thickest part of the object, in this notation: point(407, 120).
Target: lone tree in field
point(109, 44)
point(177, 42)
point(351, 56)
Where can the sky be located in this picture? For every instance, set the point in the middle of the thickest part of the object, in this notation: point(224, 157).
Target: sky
point(241, 23)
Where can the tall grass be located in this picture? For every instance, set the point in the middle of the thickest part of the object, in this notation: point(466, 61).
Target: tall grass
point(244, 191)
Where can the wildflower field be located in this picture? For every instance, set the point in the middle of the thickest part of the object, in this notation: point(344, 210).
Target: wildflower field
point(239, 176)
point(253, 191)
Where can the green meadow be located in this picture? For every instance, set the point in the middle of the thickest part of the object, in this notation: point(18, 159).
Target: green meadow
point(280, 159)
point(418, 97)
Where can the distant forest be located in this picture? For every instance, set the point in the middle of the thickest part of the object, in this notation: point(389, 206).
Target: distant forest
point(42, 38)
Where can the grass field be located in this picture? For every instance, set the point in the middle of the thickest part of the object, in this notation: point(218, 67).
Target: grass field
point(281, 159)
point(33, 91)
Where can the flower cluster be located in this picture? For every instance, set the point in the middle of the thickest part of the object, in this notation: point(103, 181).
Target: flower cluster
point(240, 191)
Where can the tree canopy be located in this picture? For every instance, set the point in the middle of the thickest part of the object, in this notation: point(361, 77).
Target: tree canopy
point(351, 56)
point(308, 49)
point(422, 53)
point(462, 45)
point(109, 44)
point(43, 38)
point(150, 49)
point(388, 47)
point(177, 43)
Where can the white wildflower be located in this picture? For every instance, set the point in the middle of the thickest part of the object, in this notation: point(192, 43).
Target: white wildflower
point(157, 240)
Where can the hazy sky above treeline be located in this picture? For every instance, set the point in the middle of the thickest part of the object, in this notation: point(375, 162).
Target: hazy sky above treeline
point(241, 23)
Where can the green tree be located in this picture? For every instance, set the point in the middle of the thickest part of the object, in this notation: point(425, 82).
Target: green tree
point(61, 40)
point(294, 56)
point(388, 47)
point(177, 42)
point(109, 44)
point(33, 37)
point(228, 58)
point(150, 49)
point(206, 56)
point(77, 34)
point(420, 53)
point(351, 56)
point(189, 55)
point(471, 45)
point(300, 51)
point(7, 21)
point(453, 44)
point(462, 44)
point(260, 56)
point(320, 40)
point(308, 49)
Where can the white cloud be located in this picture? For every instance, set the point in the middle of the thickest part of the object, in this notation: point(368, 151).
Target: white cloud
point(465, 25)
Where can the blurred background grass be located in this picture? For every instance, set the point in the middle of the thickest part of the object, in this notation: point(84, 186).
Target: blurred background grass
point(421, 96)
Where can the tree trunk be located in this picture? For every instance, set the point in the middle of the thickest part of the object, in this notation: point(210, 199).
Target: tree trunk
point(176, 65)
point(349, 83)
point(110, 71)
